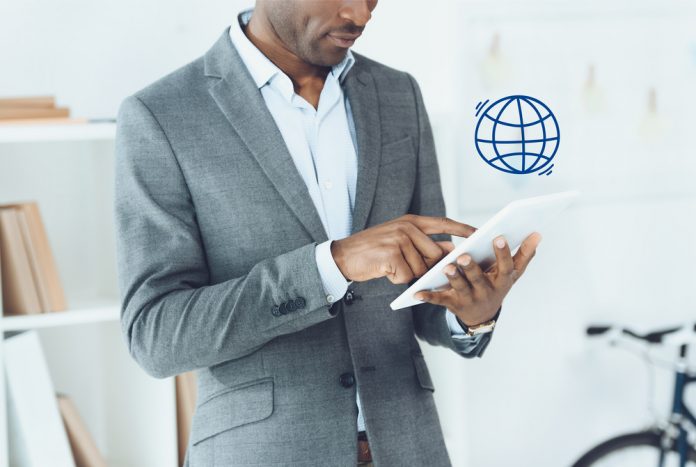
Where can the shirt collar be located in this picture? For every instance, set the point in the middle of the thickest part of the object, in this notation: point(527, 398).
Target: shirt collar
point(262, 69)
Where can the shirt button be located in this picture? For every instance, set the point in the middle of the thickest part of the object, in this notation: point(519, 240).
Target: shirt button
point(347, 380)
point(330, 298)
point(350, 297)
point(333, 309)
point(328, 184)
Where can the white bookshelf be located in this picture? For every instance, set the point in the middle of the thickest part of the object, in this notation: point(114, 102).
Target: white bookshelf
point(106, 312)
point(68, 170)
point(73, 132)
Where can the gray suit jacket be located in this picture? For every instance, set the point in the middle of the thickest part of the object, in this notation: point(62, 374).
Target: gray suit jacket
point(216, 230)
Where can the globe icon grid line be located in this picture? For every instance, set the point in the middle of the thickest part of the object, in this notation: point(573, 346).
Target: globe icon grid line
point(503, 158)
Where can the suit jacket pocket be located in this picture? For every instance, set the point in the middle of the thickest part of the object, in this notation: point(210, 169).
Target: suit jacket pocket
point(422, 371)
point(397, 151)
point(232, 407)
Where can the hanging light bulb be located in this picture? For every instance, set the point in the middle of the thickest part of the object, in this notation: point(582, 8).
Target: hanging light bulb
point(592, 94)
point(495, 69)
point(652, 126)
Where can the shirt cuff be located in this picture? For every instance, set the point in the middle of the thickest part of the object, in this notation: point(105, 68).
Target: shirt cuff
point(466, 345)
point(335, 285)
point(455, 328)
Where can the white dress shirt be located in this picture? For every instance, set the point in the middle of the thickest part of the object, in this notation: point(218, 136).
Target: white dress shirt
point(323, 146)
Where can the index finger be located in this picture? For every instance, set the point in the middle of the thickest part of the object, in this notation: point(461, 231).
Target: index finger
point(429, 250)
point(441, 225)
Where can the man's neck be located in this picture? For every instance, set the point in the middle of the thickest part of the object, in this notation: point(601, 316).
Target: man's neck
point(306, 78)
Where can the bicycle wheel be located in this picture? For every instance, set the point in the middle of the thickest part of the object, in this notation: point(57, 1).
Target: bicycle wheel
point(634, 450)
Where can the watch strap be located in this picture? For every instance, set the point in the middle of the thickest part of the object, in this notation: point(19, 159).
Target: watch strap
point(468, 329)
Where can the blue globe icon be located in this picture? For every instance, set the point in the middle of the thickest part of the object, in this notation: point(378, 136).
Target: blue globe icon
point(518, 135)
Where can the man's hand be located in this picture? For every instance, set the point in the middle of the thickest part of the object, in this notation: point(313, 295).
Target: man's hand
point(399, 249)
point(475, 296)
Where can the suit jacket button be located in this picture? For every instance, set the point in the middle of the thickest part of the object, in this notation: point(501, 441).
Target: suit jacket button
point(275, 310)
point(300, 302)
point(283, 310)
point(290, 306)
point(347, 380)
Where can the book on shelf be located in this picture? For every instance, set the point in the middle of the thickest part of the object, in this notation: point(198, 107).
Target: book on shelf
point(29, 108)
point(19, 294)
point(84, 449)
point(37, 436)
point(31, 245)
point(185, 384)
point(9, 113)
point(30, 280)
point(33, 102)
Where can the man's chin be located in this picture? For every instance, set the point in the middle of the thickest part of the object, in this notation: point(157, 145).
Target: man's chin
point(329, 56)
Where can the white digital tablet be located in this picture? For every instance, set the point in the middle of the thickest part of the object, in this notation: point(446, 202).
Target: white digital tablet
point(515, 222)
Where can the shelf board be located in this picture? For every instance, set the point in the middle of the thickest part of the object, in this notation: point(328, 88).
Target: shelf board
point(51, 132)
point(102, 312)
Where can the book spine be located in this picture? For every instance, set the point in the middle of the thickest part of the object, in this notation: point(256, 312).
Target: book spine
point(40, 102)
point(35, 266)
point(19, 290)
point(84, 448)
point(54, 287)
point(21, 112)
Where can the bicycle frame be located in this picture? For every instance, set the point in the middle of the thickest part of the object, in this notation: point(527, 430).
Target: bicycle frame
point(679, 409)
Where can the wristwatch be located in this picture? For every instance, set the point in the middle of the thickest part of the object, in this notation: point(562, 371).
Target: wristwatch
point(481, 328)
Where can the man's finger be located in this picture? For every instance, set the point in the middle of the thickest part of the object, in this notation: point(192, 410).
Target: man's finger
point(446, 246)
point(439, 225)
point(457, 280)
point(429, 250)
point(526, 252)
point(504, 263)
point(398, 271)
point(436, 298)
point(472, 272)
point(414, 259)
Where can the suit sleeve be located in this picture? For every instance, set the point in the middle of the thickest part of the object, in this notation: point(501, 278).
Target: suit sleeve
point(430, 320)
point(172, 318)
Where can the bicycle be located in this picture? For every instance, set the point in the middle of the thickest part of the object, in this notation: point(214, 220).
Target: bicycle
point(669, 442)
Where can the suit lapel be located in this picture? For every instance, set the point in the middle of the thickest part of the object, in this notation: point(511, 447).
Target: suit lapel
point(362, 95)
point(242, 103)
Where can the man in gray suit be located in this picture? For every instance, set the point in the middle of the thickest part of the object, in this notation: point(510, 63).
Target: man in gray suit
point(272, 198)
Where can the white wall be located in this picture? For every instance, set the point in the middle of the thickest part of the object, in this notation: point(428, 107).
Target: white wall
point(542, 393)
